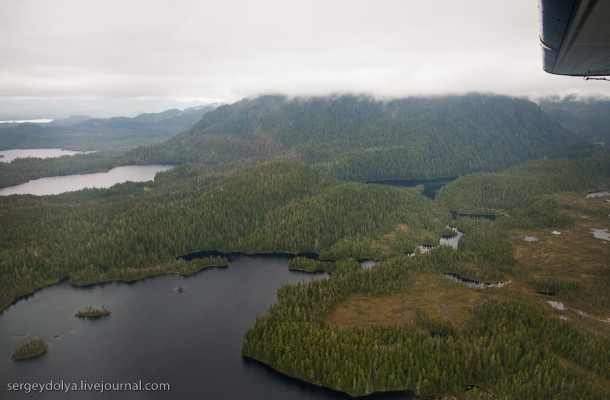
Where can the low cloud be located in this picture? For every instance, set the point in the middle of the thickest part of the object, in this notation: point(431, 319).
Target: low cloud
point(232, 49)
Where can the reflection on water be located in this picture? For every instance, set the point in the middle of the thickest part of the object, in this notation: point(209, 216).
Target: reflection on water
point(430, 186)
point(475, 284)
point(453, 240)
point(191, 340)
point(367, 264)
point(10, 155)
point(447, 240)
point(557, 305)
point(69, 183)
point(598, 194)
point(27, 121)
point(602, 234)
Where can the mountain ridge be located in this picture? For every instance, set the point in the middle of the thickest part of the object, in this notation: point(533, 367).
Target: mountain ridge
point(360, 138)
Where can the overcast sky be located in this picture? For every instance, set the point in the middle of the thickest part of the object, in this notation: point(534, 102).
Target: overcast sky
point(230, 49)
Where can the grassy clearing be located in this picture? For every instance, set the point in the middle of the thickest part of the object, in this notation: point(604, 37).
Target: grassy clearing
point(573, 265)
point(433, 294)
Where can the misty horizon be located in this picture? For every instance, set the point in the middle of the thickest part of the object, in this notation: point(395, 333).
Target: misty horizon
point(224, 52)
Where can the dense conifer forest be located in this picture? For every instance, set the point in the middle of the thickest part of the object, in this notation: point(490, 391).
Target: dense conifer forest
point(360, 138)
point(287, 175)
point(588, 117)
point(353, 137)
point(403, 325)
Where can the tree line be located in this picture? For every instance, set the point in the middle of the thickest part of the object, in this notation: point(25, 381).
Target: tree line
point(360, 138)
point(511, 348)
point(137, 229)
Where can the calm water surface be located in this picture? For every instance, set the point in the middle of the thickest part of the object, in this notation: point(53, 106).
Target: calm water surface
point(598, 194)
point(431, 186)
point(191, 340)
point(10, 155)
point(453, 240)
point(70, 183)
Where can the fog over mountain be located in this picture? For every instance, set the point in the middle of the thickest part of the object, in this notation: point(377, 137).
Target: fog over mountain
point(225, 51)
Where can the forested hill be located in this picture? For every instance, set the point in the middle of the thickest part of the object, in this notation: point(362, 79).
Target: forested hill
point(589, 116)
point(360, 138)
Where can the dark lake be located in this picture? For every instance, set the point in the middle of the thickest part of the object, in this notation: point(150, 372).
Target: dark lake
point(431, 186)
point(68, 183)
point(191, 340)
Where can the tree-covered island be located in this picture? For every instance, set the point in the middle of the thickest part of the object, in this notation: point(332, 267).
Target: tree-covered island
point(30, 349)
point(93, 312)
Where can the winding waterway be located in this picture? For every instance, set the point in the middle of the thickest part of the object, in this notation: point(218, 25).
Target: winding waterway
point(191, 340)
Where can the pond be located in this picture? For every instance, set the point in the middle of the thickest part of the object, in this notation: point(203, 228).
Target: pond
point(69, 183)
point(190, 340)
point(598, 194)
point(473, 284)
point(452, 240)
point(431, 186)
point(367, 264)
point(445, 240)
point(602, 234)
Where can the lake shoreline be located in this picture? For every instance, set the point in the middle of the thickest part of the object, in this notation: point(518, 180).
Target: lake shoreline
point(314, 386)
point(230, 256)
point(215, 310)
point(161, 272)
point(104, 282)
point(72, 182)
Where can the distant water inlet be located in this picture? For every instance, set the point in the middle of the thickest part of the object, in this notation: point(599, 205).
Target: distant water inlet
point(474, 284)
point(27, 121)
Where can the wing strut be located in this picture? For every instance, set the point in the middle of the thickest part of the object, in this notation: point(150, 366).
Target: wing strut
point(595, 78)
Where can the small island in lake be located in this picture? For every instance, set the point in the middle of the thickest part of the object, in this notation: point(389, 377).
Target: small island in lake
point(32, 348)
point(93, 312)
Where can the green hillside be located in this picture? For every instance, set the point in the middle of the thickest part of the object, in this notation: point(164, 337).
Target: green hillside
point(402, 325)
point(360, 138)
point(134, 230)
point(588, 117)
